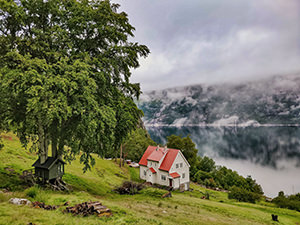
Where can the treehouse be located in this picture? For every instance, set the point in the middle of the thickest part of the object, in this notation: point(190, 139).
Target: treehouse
point(51, 168)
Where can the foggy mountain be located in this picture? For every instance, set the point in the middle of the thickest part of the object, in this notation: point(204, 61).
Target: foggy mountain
point(271, 101)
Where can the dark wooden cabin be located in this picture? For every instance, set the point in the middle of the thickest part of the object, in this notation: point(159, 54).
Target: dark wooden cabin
point(52, 168)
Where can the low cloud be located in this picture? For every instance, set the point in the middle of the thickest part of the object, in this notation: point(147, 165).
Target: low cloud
point(213, 41)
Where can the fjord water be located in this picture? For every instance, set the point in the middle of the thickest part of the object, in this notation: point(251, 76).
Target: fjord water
point(270, 154)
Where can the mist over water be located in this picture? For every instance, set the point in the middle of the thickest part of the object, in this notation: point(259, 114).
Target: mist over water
point(270, 154)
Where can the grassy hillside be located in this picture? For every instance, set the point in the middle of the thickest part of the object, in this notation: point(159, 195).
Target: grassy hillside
point(144, 208)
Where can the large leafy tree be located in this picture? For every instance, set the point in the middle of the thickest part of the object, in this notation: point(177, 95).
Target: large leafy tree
point(186, 145)
point(64, 72)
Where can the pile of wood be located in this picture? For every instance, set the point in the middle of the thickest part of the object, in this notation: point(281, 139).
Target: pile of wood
point(167, 195)
point(42, 205)
point(89, 208)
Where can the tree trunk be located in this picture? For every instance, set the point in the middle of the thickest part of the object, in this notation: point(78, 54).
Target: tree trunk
point(121, 156)
point(60, 149)
point(43, 144)
point(54, 147)
point(124, 155)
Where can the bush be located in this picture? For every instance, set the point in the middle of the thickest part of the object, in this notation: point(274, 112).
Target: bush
point(200, 176)
point(32, 192)
point(290, 202)
point(243, 195)
point(37, 194)
point(129, 188)
point(153, 192)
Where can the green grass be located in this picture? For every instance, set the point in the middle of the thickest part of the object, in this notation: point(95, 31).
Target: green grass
point(144, 208)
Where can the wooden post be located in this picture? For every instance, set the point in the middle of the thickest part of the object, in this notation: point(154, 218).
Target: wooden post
point(124, 153)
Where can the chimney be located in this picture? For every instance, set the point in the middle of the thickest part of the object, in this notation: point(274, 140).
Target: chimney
point(165, 149)
point(157, 148)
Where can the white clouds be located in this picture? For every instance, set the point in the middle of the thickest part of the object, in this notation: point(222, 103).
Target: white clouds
point(214, 41)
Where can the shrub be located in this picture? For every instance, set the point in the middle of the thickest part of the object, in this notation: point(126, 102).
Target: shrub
point(32, 192)
point(200, 176)
point(290, 202)
point(37, 194)
point(129, 188)
point(243, 195)
point(153, 192)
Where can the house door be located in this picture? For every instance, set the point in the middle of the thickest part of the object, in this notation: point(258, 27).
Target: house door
point(170, 182)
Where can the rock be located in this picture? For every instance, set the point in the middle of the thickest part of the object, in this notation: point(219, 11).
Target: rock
point(19, 201)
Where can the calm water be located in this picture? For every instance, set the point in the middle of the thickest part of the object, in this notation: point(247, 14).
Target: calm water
point(271, 155)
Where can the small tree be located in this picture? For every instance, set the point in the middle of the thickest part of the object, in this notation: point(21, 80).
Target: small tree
point(137, 143)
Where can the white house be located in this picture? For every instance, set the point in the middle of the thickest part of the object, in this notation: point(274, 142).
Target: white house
point(165, 166)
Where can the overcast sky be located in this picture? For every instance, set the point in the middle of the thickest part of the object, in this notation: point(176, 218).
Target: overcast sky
point(209, 41)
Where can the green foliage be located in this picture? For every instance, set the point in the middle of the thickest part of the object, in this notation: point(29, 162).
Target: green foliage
point(205, 164)
point(290, 202)
point(136, 144)
point(186, 145)
point(35, 193)
point(243, 195)
point(9, 180)
point(64, 76)
point(32, 192)
point(153, 192)
point(201, 176)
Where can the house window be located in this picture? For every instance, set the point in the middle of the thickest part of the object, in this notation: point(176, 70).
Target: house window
point(177, 165)
point(145, 173)
point(180, 164)
point(150, 163)
point(163, 177)
point(183, 175)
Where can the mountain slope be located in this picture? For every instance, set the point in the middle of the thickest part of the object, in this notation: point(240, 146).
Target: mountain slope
point(275, 100)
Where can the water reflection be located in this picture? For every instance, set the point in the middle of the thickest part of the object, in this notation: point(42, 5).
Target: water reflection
point(256, 151)
point(260, 145)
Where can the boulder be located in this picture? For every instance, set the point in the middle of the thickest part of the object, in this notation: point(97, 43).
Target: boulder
point(19, 201)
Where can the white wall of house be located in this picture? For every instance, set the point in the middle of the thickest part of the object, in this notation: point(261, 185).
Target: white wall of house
point(176, 183)
point(181, 166)
point(150, 177)
point(163, 177)
point(143, 172)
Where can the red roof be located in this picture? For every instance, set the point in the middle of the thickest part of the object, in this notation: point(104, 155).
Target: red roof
point(152, 170)
point(156, 154)
point(169, 159)
point(174, 175)
point(148, 152)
